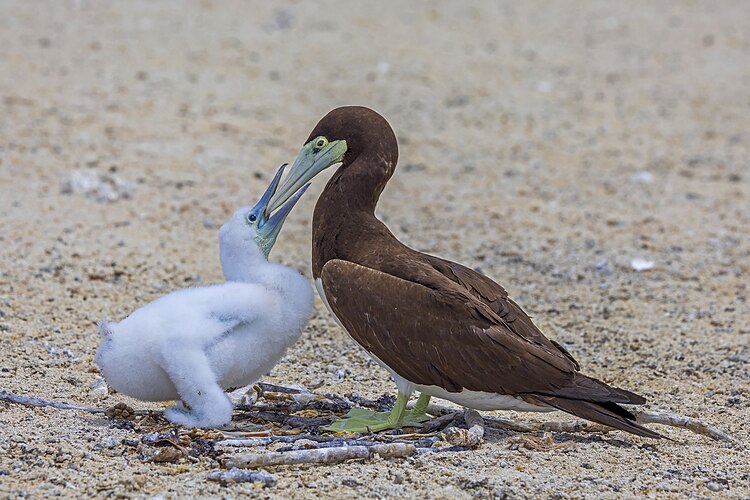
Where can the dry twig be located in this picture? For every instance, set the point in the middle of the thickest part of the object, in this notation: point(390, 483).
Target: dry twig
point(268, 387)
point(691, 424)
point(439, 423)
point(265, 441)
point(118, 411)
point(37, 402)
point(551, 426)
point(319, 455)
point(281, 418)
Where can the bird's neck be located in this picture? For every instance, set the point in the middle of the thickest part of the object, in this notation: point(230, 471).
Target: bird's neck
point(344, 215)
point(248, 265)
point(356, 186)
point(242, 264)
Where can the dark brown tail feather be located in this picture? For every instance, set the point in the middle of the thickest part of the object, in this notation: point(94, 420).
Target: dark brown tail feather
point(633, 398)
point(586, 388)
point(607, 413)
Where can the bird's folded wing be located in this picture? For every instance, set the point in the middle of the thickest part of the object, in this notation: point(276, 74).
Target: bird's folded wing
point(242, 303)
point(496, 297)
point(210, 313)
point(440, 337)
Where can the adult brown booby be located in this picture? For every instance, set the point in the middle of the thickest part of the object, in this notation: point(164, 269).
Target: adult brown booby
point(438, 327)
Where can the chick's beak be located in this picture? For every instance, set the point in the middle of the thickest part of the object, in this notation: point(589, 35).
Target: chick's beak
point(269, 228)
point(309, 162)
point(262, 205)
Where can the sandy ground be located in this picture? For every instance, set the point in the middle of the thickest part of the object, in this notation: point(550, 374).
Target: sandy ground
point(546, 144)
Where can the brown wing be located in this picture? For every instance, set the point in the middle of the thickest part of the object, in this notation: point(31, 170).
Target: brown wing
point(449, 338)
point(496, 297)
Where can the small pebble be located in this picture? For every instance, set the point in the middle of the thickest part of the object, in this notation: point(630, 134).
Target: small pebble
point(159, 285)
point(664, 486)
point(315, 383)
point(642, 177)
point(713, 486)
point(641, 264)
point(99, 389)
point(108, 442)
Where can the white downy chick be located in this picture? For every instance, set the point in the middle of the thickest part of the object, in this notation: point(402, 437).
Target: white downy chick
point(192, 344)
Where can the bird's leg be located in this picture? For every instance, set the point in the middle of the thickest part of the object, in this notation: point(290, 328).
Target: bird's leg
point(418, 413)
point(361, 420)
point(204, 402)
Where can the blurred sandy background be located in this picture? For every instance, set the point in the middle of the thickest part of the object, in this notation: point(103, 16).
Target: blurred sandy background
point(554, 146)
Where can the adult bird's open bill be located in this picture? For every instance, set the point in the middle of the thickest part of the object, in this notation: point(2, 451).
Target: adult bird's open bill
point(438, 327)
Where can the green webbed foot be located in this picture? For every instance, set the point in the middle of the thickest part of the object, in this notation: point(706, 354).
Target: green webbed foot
point(361, 420)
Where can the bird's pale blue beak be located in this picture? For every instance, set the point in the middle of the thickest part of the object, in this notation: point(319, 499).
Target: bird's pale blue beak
point(268, 228)
point(309, 162)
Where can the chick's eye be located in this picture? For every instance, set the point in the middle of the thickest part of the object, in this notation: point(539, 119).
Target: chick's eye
point(251, 217)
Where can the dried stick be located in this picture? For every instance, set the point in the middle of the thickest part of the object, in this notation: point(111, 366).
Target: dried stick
point(439, 423)
point(391, 438)
point(246, 434)
point(267, 387)
point(319, 456)
point(36, 402)
point(236, 475)
point(284, 419)
point(265, 441)
point(691, 424)
point(552, 426)
point(32, 401)
point(291, 406)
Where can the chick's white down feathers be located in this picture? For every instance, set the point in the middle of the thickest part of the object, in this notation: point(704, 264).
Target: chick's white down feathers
point(193, 343)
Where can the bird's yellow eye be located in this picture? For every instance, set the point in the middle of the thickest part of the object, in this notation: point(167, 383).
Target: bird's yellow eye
point(319, 143)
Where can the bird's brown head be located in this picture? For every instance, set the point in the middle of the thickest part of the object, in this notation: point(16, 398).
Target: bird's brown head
point(346, 135)
point(364, 130)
